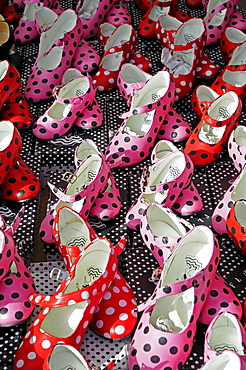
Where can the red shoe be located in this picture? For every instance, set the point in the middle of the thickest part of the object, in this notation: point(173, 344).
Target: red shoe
point(201, 99)
point(212, 133)
point(66, 315)
point(230, 39)
point(117, 51)
point(236, 226)
point(18, 113)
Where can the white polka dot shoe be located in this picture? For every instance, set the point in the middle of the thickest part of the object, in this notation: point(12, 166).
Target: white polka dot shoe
point(67, 313)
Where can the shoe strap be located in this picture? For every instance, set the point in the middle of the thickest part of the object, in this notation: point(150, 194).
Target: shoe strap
point(215, 123)
point(115, 49)
point(236, 68)
point(162, 4)
point(143, 109)
point(73, 198)
point(153, 188)
point(172, 289)
point(218, 9)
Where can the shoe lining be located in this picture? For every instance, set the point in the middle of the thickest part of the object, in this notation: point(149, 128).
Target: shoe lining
point(157, 11)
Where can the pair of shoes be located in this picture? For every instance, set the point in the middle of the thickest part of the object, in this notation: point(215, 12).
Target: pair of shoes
point(17, 181)
point(166, 330)
point(161, 230)
point(118, 49)
point(72, 234)
point(26, 30)
point(212, 132)
point(55, 56)
point(16, 282)
point(75, 103)
point(168, 181)
point(130, 79)
point(67, 314)
point(165, 32)
point(233, 76)
point(91, 189)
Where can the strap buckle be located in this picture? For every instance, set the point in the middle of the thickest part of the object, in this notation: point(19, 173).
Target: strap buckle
point(69, 177)
point(59, 275)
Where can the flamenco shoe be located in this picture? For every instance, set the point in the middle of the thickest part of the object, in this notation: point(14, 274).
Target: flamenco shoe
point(108, 203)
point(66, 315)
point(26, 30)
point(18, 113)
point(135, 138)
point(10, 84)
point(237, 147)
point(16, 282)
point(71, 100)
point(170, 315)
point(117, 51)
point(161, 183)
point(236, 225)
point(225, 333)
point(18, 4)
point(217, 18)
point(132, 78)
point(201, 99)
point(233, 77)
point(225, 360)
point(84, 185)
point(235, 192)
point(9, 13)
point(69, 356)
point(230, 39)
point(92, 14)
point(86, 58)
point(72, 234)
point(237, 20)
point(165, 31)
point(118, 15)
point(55, 55)
point(212, 133)
point(161, 231)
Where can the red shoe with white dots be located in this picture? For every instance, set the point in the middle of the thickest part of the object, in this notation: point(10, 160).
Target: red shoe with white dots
point(66, 314)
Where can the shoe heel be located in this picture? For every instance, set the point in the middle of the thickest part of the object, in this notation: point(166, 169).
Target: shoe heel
point(189, 201)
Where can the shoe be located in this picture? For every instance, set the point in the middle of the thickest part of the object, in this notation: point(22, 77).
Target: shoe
point(108, 202)
point(237, 20)
point(136, 136)
point(55, 55)
point(165, 32)
point(225, 333)
point(16, 282)
point(117, 51)
point(92, 14)
point(89, 179)
point(237, 147)
point(225, 360)
point(201, 99)
point(212, 133)
point(118, 15)
point(230, 39)
point(162, 183)
point(66, 315)
point(236, 226)
point(217, 19)
point(9, 13)
point(170, 315)
point(18, 4)
point(86, 58)
point(71, 100)
point(10, 84)
point(132, 78)
point(235, 192)
point(11, 146)
point(72, 234)
point(233, 76)
point(26, 30)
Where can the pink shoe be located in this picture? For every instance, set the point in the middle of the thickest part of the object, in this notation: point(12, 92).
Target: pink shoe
point(71, 100)
point(118, 15)
point(135, 138)
point(161, 183)
point(226, 360)
point(117, 51)
point(108, 203)
point(225, 332)
point(16, 282)
point(164, 336)
point(92, 14)
point(26, 30)
point(84, 185)
point(237, 147)
point(235, 192)
point(54, 57)
point(86, 58)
